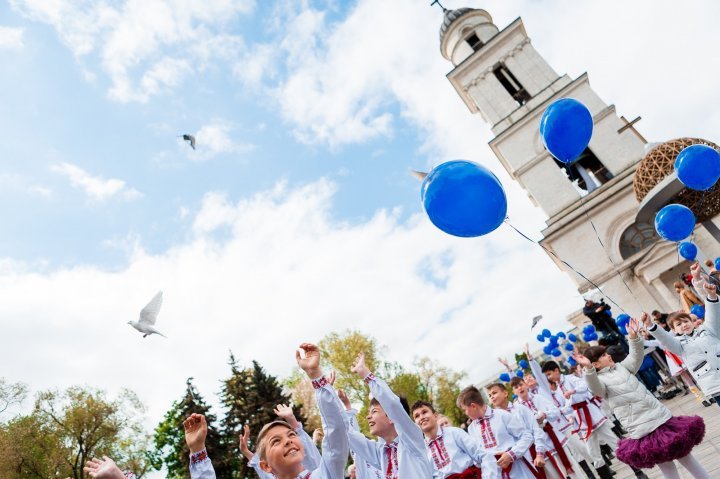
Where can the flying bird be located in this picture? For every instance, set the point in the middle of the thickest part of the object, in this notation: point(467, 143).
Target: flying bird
point(535, 320)
point(420, 175)
point(190, 139)
point(148, 316)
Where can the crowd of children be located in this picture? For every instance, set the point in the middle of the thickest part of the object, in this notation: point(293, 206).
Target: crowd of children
point(560, 425)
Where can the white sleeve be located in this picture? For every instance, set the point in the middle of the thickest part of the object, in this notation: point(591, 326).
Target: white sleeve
point(634, 360)
point(312, 455)
point(200, 466)
point(712, 320)
point(543, 383)
point(669, 342)
point(472, 448)
point(522, 435)
point(335, 448)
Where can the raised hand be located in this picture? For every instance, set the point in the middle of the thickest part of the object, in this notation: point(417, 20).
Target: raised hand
point(645, 318)
point(344, 399)
point(359, 367)
point(581, 360)
point(633, 328)
point(310, 361)
point(285, 412)
point(711, 291)
point(505, 363)
point(317, 436)
point(331, 378)
point(527, 352)
point(195, 432)
point(104, 468)
point(244, 439)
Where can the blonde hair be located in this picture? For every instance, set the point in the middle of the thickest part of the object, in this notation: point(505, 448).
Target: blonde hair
point(262, 443)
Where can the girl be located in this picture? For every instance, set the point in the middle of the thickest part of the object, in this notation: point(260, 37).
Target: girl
point(655, 436)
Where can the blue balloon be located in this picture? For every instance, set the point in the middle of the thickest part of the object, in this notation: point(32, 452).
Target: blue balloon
point(698, 167)
point(572, 361)
point(608, 312)
point(546, 333)
point(572, 338)
point(622, 319)
point(556, 353)
point(514, 397)
point(594, 337)
point(547, 350)
point(523, 364)
point(688, 250)
point(698, 310)
point(505, 377)
point(464, 199)
point(519, 373)
point(717, 263)
point(623, 329)
point(560, 335)
point(541, 338)
point(566, 128)
point(569, 347)
point(589, 328)
point(674, 222)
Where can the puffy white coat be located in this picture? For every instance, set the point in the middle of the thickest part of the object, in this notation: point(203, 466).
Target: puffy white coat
point(700, 351)
point(635, 407)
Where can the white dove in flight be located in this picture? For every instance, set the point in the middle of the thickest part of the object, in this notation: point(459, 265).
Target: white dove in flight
point(148, 316)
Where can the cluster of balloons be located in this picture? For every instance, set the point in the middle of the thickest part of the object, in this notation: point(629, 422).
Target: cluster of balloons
point(622, 322)
point(552, 348)
point(698, 310)
point(464, 199)
point(698, 168)
point(589, 333)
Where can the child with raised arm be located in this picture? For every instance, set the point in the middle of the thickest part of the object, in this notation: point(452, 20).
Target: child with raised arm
point(400, 450)
point(106, 468)
point(361, 469)
point(499, 433)
point(698, 347)
point(656, 437)
point(284, 412)
point(453, 452)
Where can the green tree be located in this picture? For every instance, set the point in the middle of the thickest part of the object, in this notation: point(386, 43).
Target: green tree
point(30, 450)
point(11, 394)
point(171, 450)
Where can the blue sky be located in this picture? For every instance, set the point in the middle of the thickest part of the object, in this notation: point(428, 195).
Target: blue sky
point(296, 215)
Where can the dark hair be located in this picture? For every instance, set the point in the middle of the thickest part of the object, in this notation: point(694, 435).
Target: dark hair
point(495, 385)
point(403, 403)
point(677, 315)
point(655, 312)
point(550, 366)
point(593, 353)
point(419, 404)
point(617, 353)
point(516, 381)
point(470, 395)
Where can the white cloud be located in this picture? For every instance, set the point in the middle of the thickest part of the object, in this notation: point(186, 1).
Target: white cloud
point(263, 273)
point(11, 38)
point(95, 187)
point(43, 191)
point(215, 139)
point(144, 46)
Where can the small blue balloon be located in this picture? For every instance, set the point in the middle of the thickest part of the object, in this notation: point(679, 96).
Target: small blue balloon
point(674, 222)
point(556, 353)
point(560, 335)
point(547, 350)
point(608, 312)
point(622, 319)
point(546, 333)
point(541, 338)
point(623, 329)
point(698, 310)
point(505, 377)
point(572, 338)
point(572, 361)
point(594, 337)
point(698, 167)
point(688, 250)
point(569, 347)
point(523, 364)
point(519, 373)
point(514, 397)
point(717, 263)
point(464, 199)
point(566, 128)
point(589, 328)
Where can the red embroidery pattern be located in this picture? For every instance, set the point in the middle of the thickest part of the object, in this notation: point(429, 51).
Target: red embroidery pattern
point(439, 452)
point(320, 383)
point(487, 433)
point(392, 463)
point(129, 475)
point(531, 405)
point(199, 457)
point(369, 378)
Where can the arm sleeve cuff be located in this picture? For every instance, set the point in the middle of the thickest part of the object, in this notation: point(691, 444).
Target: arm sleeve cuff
point(369, 378)
point(198, 457)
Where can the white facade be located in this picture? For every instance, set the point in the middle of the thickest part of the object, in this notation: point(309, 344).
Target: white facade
point(499, 75)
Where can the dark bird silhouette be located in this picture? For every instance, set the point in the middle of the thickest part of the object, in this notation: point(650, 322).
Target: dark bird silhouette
point(535, 320)
point(190, 139)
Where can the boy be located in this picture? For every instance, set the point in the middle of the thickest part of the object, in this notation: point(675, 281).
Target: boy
point(546, 415)
point(400, 450)
point(454, 453)
point(360, 468)
point(499, 433)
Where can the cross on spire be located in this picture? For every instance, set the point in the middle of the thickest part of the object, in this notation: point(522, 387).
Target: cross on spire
point(439, 4)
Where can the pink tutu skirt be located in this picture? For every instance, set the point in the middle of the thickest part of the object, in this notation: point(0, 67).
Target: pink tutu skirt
point(673, 440)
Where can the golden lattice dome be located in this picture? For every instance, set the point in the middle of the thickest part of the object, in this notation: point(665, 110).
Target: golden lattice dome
point(659, 163)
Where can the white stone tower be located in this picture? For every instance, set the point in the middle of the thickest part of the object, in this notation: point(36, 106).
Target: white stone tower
point(499, 75)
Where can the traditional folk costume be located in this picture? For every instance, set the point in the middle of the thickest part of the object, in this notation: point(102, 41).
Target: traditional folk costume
point(335, 444)
point(406, 456)
point(498, 432)
point(363, 470)
point(456, 455)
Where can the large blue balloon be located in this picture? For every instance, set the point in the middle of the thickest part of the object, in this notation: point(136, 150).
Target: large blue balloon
point(505, 377)
point(519, 373)
point(698, 167)
point(464, 199)
point(622, 319)
point(566, 128)
point(523, 364)
point(623, 329)
point(556, 353)
point(674, 222)
point(589, 328)
point(688, 250)
point(698, 310)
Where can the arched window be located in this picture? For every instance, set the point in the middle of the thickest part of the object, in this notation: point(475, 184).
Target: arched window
point(637, 237)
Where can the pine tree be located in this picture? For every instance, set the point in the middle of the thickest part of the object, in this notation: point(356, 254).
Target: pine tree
point(171, 450)
point(249, 397)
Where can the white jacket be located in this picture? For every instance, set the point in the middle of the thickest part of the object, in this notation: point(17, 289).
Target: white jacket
point(635, 407)
point(700, 351)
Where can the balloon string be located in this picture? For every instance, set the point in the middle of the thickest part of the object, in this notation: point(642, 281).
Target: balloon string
point(552, 253)
point(602, 245)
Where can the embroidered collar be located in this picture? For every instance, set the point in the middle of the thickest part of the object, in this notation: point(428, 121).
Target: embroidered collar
point(438, 436)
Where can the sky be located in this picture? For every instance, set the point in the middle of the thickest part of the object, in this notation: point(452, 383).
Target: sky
point(296, 215)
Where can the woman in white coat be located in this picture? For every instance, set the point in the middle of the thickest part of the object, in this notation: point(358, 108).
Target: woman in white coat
point(655, 436)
